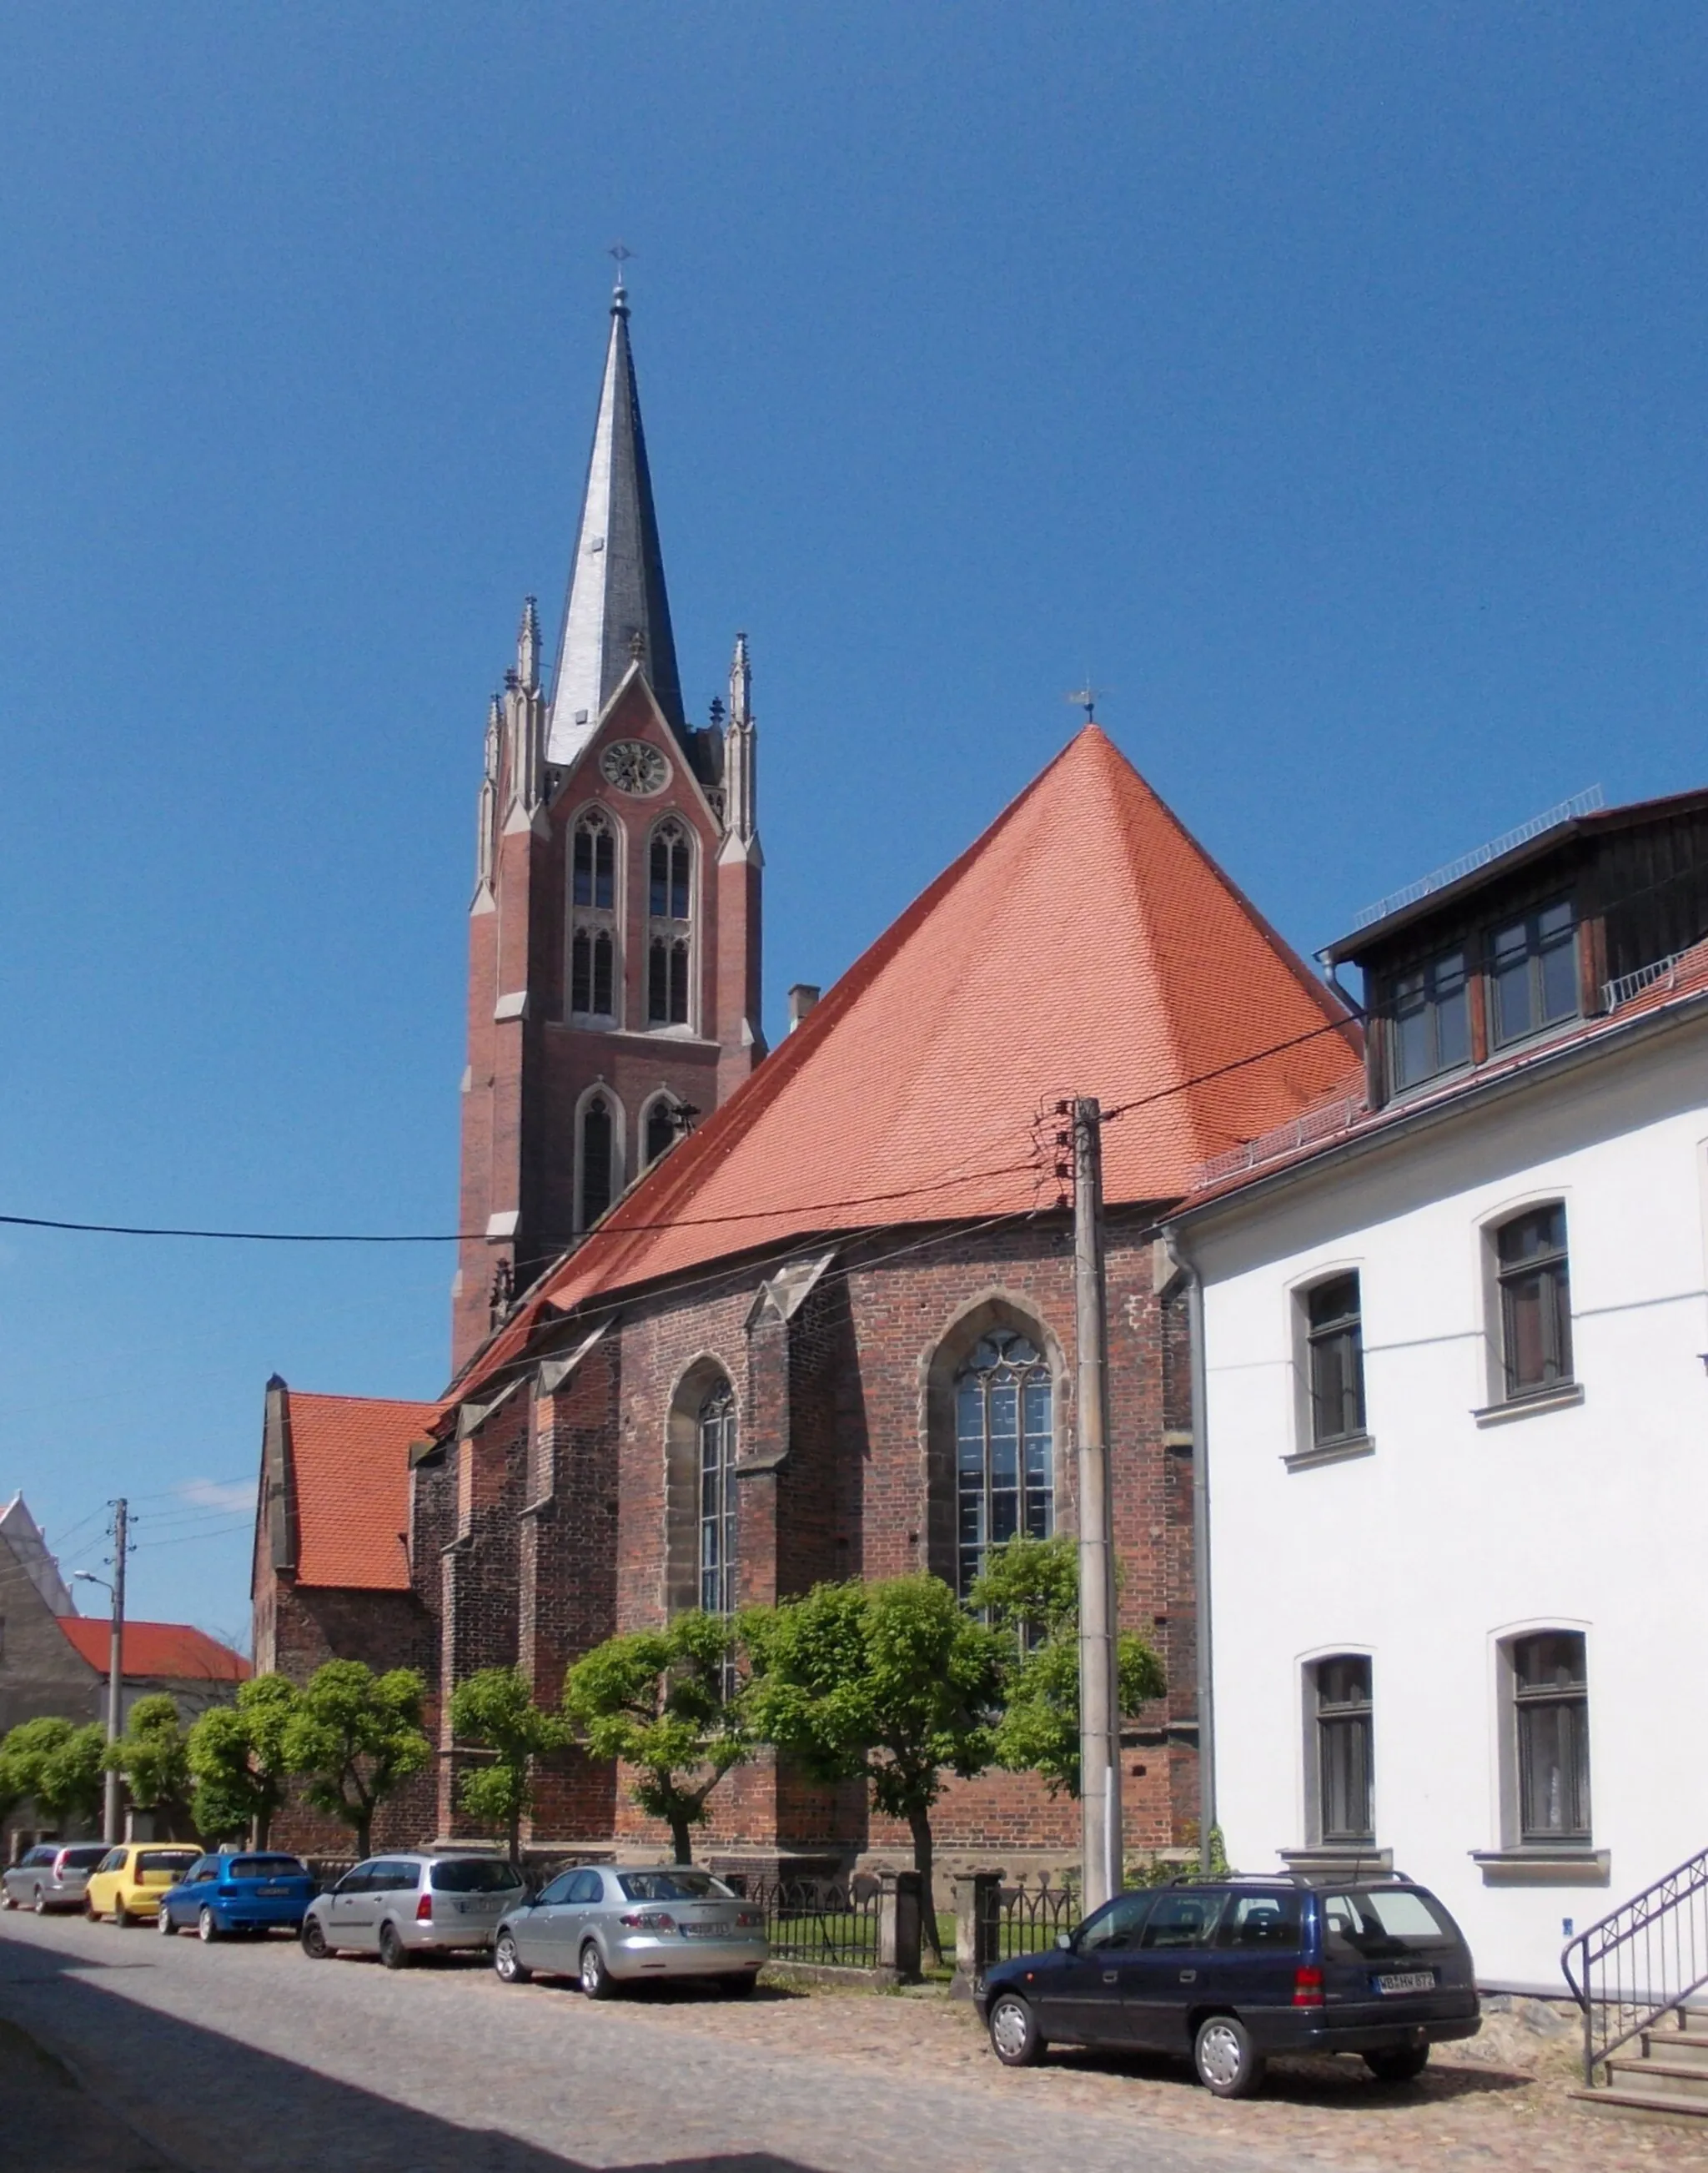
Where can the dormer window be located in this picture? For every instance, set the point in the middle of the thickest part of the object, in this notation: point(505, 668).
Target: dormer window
point(1431, 1019)
point(1533, 972)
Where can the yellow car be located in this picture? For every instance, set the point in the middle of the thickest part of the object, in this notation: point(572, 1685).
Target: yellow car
point(128, 1882)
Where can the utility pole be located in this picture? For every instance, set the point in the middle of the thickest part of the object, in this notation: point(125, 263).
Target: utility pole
point(112, 1821)
point(1100, 1717)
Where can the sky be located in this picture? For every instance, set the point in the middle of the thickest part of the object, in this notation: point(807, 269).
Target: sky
point(1326, 382)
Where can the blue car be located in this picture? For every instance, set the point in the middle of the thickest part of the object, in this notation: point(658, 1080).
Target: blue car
point(249, 1892)
point(1229, 1972)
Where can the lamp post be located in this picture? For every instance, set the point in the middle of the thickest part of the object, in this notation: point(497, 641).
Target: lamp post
point(111, 1819)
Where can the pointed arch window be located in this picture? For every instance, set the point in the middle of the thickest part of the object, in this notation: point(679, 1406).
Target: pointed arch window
point(659, 1129)
point(1004, 1443)
point(671, 874)
point(670, 916)
point(716, 1426)
point(598, 1158)
point(595, 976)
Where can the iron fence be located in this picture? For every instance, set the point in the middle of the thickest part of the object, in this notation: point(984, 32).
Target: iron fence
point(1641, 1962)
point(1023, 1919)
point(829, 1922)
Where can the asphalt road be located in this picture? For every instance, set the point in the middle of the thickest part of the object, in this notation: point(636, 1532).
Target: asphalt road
point(246, 2058)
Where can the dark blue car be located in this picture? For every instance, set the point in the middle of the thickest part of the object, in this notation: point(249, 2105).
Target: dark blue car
point(248, 1892)
point(1229, 1972)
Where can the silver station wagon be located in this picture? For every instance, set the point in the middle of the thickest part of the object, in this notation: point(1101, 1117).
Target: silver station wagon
point(416, 1901)
point(52, 1876)
point(619, 1923)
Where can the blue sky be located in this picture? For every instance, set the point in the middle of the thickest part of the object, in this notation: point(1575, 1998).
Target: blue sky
point(1327, 382)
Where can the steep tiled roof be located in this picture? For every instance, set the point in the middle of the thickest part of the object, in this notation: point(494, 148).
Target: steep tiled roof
point(350, 1461)
point(168, 1652)
point(1085, 945)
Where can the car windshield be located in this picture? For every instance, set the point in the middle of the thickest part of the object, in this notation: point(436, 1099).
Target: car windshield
point(166, 1859)
point(475, 1874)
point(266, 1867)
point(673, 1886)
point(41, 1856)
point(1376, 1923)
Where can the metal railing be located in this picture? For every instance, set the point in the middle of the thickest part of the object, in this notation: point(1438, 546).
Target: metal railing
point(832, 1923)
point(1641, 1962)
point(1023, 1919)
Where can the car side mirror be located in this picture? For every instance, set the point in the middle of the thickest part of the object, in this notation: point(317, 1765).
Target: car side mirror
point(1066, 1940)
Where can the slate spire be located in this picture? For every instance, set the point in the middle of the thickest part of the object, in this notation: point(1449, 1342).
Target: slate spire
point(617, 596)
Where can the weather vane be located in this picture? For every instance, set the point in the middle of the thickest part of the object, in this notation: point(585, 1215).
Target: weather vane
point(1087, 698)
point(622, 252)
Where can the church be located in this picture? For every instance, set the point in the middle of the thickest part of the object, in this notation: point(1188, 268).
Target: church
point(728, 1322)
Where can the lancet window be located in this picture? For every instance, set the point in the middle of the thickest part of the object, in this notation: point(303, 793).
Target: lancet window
point(1005, 1435)
point(598, 1158)
point(670, 935)
point(595, 973)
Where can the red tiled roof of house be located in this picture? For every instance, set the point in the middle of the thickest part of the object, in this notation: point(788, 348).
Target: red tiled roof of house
point(1085, 945)
point(350, 1460)
point(168, 1652)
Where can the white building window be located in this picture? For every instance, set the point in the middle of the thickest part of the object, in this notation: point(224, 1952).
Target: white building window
point(1533, 1294)
point(1547, 1732)
point(1341, 1767)
point(1333, 1333)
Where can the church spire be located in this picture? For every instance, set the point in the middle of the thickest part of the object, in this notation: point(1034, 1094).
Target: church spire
point(617, 586)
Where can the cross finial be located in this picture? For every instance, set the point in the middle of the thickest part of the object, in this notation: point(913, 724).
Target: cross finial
point(622, 252)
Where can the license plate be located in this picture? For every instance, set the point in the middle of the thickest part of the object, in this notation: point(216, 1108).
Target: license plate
point(705, 1931)
point(1408, 1981)
point(270, 1890)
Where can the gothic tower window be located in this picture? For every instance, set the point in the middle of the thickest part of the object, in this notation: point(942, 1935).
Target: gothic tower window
point(593, 953)
point(717, 1440)
point(660, 1126)
point(598, 1158)
point(1004, 1432)
point(670, 913)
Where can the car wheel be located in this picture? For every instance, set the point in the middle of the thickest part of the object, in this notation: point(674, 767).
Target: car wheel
point(1015, 2037)
point(90, 1911)
point(164, 1924)
point(122, 1915)
point(596, 1978)
point(392, 1951)
point(38, 1902)
point(206, 1927)
point(508, 1963)
point(312, 1939)
point(1403, 2065)
point(8, 1900)
point(1227, 2061)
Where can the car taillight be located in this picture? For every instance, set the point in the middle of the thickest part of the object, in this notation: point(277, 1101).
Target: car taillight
point(648, 1920)
point(751, 1920)
point(1307, 1987)
point(423, 1910)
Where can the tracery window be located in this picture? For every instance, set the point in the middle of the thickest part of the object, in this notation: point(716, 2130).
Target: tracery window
point(716, 1426)
point(594, 974)
point(670, 912)
point(598, 1156)
point(659, 1131)
point(1005, 1440)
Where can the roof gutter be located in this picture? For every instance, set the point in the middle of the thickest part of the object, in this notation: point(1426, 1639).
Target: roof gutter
point(1683, 1012)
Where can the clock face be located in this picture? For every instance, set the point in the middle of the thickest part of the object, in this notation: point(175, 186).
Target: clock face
point(633, 766)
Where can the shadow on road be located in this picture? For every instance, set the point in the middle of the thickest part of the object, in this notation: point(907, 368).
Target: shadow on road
point(164, 2095)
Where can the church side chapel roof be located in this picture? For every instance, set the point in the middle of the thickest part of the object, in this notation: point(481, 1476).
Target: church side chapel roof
point(350, 1466)
point(1086, 944)
point(162, 1652)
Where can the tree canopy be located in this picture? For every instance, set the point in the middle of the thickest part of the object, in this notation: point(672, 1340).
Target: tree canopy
point(237, 1760)
point(661, 1701)
point(354, 1737)
point(893, 1682)
point(495, 1710)
point(152, 1755)
point(59, 1767)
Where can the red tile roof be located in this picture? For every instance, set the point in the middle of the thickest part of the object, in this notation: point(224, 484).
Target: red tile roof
point(350, 1460)
point(1085, 945)
point(168, 1652)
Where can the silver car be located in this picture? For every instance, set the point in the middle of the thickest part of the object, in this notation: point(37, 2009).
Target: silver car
point(416, 1901)
point(616, 1924)
point(52, 1876)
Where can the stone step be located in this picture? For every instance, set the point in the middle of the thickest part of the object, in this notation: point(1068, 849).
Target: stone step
point(1671, 2077)
point(1663, 2043)
point(1654, 2103)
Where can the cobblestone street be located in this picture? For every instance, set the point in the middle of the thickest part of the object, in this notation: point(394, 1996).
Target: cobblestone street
point(250, 2059)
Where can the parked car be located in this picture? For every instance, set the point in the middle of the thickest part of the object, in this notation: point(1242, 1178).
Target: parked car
point(611, 1925)
point(419, 1900)
point(128, 1881)
point(1230, 1972)
point(52, 1876)
point(250, 1892)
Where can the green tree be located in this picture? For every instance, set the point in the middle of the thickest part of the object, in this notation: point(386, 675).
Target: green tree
point(153, 1756)
point(59, 1767)
point(660, 1700)
point(893, 1683)
point(1030, 1592)
point(495, 1710)
point(237, 1760)
point(354, 1737)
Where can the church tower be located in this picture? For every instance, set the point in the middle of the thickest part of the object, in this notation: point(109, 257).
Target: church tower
point(614, 935)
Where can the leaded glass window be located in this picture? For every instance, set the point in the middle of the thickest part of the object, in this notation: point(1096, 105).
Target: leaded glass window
point(1004, 1443)
point(717, 1435)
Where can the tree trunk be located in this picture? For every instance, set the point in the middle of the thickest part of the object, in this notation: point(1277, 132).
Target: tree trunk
point(364, 1823)
point(920, 1825)
point(681, 1836)
point(516, 1835)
